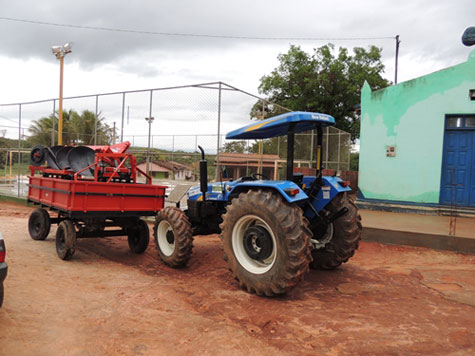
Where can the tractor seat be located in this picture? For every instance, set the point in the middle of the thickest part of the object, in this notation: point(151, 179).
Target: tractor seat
point(297, 178)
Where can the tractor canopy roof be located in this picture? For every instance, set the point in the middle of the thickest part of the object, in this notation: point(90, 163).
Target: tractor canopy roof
point(280, 125)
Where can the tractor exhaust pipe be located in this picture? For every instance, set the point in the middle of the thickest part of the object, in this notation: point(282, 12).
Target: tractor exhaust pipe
point(203, 173)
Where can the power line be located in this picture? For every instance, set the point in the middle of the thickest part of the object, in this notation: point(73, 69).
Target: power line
point(109, 29)
point(6, 118)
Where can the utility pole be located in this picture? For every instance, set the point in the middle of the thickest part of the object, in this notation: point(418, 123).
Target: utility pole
point(397, 56)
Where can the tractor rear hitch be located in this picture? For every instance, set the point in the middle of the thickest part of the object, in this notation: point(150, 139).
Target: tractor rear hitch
point(322, 220)
point(337, 214)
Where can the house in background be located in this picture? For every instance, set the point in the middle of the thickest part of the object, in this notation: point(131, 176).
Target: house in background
point(168, 170)
point(417, 143)
point(244, 164)
point(156, 170)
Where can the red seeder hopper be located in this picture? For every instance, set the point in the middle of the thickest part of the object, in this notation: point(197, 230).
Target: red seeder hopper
point(95, 193)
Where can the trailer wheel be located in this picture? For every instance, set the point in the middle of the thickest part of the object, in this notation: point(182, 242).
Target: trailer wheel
point(37, 156)
point(39, 224)
point(1, 294)
point(138, 237)
point(343, 236)
point(266, 242)
point(65, 240)
point(173, 237)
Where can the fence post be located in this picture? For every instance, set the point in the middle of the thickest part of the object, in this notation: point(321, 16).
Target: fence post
point(311, 147)
point(219, 132)
point(339, 136)
point(150, 119)
point(54, 117)
point(326, 146)
point(261, 143)
point(247, 159)
point(19, 146)
point(122, 122)
point(95, 120)
point(349, 153)
point(173, 149)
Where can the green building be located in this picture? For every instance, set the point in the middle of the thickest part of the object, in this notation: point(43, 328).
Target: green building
point(417, 144)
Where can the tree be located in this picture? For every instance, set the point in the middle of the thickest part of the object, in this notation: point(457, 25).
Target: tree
point(323, 82)
point(235, 147)
point(78, 129)
point(41, 130)
point(354, 161)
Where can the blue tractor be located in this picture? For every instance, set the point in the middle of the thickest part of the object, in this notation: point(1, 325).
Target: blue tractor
point(272, 231)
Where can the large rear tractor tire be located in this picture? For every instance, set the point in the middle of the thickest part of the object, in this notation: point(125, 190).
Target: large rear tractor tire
point(39, 224)
point(173, 237)
point(342, 236)
point(266, 242)
point(66, 240)
point(138, 237)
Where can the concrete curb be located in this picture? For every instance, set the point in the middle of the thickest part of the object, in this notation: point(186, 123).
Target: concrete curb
point(436, 242)
point(441, 210)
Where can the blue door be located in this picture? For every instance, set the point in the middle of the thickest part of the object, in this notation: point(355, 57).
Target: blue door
point(458, 164)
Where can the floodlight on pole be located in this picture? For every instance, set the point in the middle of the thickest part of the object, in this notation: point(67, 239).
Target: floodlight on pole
point(60, 52)
point(468, 37)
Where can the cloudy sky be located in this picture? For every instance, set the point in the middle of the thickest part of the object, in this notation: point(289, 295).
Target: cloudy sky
point(104, 61)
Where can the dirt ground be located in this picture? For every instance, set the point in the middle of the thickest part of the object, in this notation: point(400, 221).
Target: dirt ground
point(388, 300)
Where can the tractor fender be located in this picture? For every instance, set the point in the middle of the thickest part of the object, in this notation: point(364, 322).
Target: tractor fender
point(279, 186)
point(331, 188)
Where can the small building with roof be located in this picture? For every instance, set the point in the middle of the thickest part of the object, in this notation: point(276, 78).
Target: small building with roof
point(163, 169)
point(244, 164)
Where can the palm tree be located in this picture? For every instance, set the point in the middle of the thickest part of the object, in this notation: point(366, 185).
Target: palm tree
point(77, 129)
point(41, 130)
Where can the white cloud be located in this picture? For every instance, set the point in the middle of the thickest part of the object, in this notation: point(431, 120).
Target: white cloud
point(113, 61)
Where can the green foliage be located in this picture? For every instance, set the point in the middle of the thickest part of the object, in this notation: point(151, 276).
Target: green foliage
point(78, 129)
point(278, 146)
point(235, 147)
point(354, 161)
point(324, 81)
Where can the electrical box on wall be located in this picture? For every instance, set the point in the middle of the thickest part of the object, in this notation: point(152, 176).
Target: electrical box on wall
point(390, 151)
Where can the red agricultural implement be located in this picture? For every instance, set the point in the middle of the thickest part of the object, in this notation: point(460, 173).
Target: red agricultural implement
point(94, 192)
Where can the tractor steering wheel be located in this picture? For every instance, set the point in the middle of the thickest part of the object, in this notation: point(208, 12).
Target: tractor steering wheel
point(256, 175)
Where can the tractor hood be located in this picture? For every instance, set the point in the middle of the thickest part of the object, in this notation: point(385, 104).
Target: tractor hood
point(280, 125)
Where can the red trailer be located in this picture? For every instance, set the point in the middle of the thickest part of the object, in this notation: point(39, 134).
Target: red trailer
point(94, 193)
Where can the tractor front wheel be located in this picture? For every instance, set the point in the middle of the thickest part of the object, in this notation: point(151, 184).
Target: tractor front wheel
point(173, 237)
point(341, 239)
point(266, 242)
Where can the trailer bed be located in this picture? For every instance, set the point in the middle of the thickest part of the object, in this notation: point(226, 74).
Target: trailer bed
point(79, 198)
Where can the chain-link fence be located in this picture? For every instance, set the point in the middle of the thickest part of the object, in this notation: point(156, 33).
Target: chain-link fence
point(185, 117)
